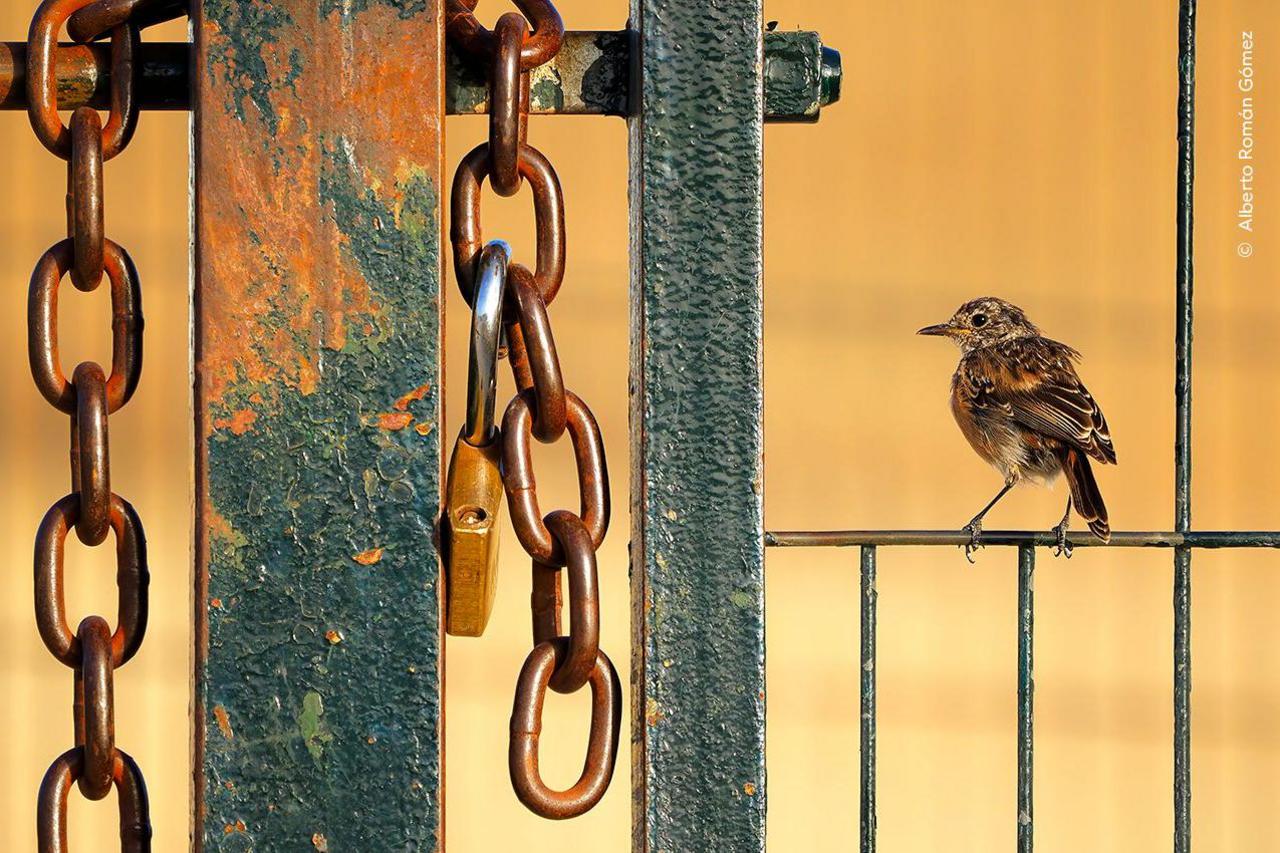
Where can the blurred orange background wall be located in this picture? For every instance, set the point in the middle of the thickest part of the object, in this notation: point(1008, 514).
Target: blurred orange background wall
point(993, 147)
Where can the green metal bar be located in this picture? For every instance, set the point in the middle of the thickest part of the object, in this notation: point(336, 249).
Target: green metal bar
point(317, 331)
point(590, 76)
point(592, 73)
point(1006, 538)
point(1026, 694)
point(1182, 439)
point(697, 515)
point(867, 740)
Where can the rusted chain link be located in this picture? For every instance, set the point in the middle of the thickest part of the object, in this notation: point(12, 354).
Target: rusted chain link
point(90, 459)
point(51, 807)
point(548, 209)
point(509, 109)
point(522, 489)
point(96, 19)
point(95, 722)
point(534, 358)
point(584, 601)
point(94, 651)
point(42, 81)
point(84, 199)
point(542, 409)
point(526, 729)
point(540, 47)
point(126, 327)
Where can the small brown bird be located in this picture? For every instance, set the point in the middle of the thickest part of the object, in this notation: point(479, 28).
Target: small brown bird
point(1019, 402)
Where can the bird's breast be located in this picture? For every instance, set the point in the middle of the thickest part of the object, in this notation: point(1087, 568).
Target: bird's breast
point(991, 433)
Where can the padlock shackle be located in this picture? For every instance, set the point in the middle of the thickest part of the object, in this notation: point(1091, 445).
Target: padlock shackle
point(486, 337)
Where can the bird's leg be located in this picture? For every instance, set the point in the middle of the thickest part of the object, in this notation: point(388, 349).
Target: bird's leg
point(1060, 533)
point(974, 527)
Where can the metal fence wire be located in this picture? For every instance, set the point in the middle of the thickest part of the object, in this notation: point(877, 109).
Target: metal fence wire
point(1182, 539)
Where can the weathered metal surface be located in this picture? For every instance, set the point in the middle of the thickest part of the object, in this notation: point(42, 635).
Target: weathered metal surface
point(318, 267)
point(867, 713)
point(590, 76)
point(1026, 694)
point(697, 524)
point(84, 76)
point(800, 76)
point(1182, 430)
point(1039, 538)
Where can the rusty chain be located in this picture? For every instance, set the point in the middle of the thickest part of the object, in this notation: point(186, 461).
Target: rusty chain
point(93, 651)
point(543, 409)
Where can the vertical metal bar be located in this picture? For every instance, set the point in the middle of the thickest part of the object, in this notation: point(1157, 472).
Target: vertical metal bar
point(317, 677)
point(1026, 694)
point(697, 519)
point(867, 822)
point(1182, 442)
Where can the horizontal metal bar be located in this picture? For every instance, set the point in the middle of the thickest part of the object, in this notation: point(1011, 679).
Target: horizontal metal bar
point(590, 76)
point(1119, 539)
point(84, 73)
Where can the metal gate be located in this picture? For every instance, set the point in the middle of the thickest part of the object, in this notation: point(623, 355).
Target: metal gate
point(300, 181)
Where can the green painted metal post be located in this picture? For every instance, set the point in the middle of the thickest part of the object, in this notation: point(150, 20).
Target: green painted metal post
point(317, 296)
point(697, 521)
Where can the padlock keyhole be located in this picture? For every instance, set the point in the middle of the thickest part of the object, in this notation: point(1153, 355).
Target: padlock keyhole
point(472, 516)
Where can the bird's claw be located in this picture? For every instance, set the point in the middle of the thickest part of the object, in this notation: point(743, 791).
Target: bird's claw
point(974, 529)
point(1062, 546)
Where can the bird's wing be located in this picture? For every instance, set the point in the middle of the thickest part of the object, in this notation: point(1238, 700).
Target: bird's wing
point(1036, 380)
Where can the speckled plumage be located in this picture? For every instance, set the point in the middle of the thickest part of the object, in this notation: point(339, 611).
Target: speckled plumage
point(1020, 403)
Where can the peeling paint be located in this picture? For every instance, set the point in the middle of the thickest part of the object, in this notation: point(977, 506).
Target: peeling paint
point(394, 421)
point(240, 422)
point(315, 732)
point(402, 404)
point(224, 722)
point(318, 296)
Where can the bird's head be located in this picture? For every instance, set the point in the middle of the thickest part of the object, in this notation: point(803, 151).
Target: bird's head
point(982, 322)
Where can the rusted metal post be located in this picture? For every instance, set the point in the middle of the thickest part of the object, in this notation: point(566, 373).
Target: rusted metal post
point(317, 392)
point(697, 520)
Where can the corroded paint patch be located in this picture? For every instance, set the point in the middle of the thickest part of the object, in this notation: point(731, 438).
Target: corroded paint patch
point(318, 324)
point(394, 421)
point(224, 722)
point(402, 404)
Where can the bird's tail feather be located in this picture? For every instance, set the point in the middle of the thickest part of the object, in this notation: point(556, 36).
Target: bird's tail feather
point(1084, 492)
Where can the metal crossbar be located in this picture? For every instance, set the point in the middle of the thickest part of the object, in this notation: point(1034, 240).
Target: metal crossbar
point(1182, 539)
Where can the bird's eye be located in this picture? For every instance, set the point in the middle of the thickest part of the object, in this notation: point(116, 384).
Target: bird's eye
point(979, 320)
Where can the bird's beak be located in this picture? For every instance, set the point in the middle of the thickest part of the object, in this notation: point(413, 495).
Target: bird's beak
point(943, 329)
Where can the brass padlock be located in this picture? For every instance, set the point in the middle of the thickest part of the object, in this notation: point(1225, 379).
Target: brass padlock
point(473, 494)
point(473, 503)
